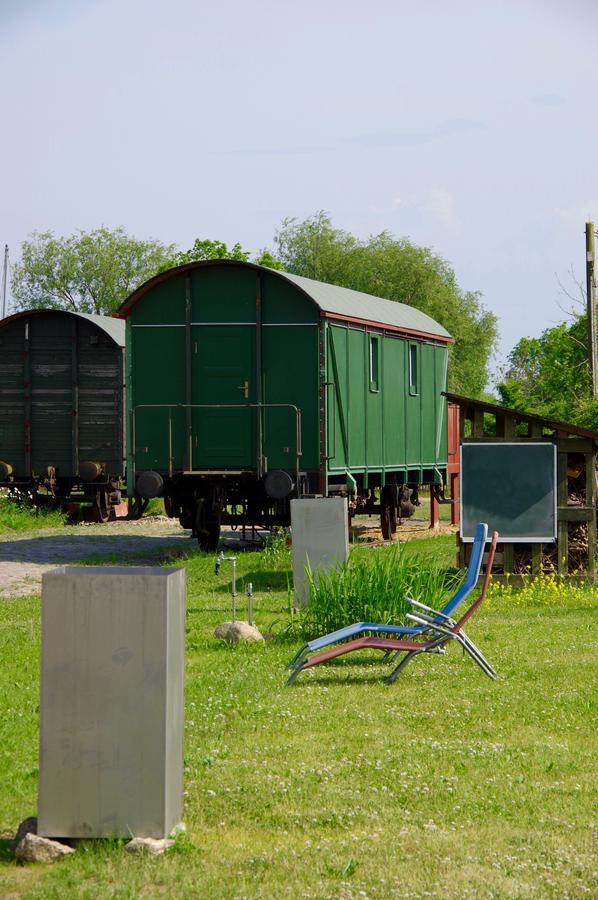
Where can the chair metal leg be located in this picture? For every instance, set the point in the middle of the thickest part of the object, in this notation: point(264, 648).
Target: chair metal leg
point(395, 672)
point(300, 653)
point(474, 654)
point(477, 657)
point(294, 673)
point(469, 643)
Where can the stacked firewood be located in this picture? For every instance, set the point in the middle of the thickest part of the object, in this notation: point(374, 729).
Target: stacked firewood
point(578, 531)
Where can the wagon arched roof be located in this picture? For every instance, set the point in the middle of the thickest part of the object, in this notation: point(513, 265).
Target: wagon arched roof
point(333, 301)
point(114, 328)
point(355, 305)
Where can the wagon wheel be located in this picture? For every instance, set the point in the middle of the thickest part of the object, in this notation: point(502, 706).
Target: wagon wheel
point(388, 522)
point(388, 510)
point(137, 506)
point(393, 519)
point(102, 508)
point(187, 519)
point(207, 526)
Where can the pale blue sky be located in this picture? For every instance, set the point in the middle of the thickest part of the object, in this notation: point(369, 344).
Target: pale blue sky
point(469, 127)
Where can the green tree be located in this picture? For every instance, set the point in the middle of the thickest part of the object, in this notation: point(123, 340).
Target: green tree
point(265, 258)
point(398, 270)
point(90, 272)
point(206, 249)
point(549, 375)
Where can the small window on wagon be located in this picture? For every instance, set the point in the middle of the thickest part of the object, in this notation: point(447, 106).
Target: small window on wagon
point(413, 369)
point(374, 363)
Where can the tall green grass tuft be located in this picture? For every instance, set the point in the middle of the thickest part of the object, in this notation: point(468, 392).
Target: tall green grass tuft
point(373, 587)
point(277, 552)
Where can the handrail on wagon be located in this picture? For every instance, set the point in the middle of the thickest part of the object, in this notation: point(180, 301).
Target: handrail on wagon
point(257, 406)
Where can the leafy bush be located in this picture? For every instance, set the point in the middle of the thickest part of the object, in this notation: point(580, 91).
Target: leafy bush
point(373, 588)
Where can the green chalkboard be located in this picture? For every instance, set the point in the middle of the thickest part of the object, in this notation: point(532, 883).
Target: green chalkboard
point(512, 487)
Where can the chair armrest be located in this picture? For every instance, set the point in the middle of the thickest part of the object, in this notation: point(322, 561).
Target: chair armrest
point(428, 609)
point(423, 619)
point(437, 627)
point(420, 619)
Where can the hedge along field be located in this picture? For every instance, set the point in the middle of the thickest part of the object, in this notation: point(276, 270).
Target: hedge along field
point(445, 784)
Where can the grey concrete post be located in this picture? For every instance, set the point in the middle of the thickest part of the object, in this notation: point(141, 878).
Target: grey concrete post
point(111, 711)
point(320, 532)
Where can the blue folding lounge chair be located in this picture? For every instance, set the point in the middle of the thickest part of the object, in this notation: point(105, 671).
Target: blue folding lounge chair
point(431, 642)
point(351, 631)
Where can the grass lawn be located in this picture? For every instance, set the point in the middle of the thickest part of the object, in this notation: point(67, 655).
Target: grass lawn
point(23, 517)
point(445, 784)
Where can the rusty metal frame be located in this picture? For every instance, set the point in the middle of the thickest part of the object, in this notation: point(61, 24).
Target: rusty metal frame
point(74, 396)
point(27, 397)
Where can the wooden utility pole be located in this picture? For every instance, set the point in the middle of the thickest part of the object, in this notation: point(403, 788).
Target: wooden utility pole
point(4, 280)
point(591, 301)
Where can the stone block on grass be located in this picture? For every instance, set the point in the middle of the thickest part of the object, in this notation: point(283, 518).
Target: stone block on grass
point(237, 632)
point(34, 848)
point(149, 846)
point(111, 711)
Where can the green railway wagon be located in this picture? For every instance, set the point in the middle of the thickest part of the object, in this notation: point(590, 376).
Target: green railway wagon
point(62, 407)
point(249, 386)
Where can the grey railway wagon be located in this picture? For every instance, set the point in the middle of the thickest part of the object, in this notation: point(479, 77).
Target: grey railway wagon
point(61, 406)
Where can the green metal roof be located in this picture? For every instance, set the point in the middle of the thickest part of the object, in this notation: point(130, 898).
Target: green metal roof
point(341, 301)
point(330, 299)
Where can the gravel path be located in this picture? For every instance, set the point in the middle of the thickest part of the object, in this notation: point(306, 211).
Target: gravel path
point(24, 558)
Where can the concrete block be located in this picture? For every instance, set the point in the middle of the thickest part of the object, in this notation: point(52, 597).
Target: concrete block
point(111, 710)
point(320, 530)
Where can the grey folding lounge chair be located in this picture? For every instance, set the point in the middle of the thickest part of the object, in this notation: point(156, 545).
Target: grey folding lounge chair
point(351, 631)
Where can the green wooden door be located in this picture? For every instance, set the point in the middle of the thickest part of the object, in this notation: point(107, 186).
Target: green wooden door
point(223, 376)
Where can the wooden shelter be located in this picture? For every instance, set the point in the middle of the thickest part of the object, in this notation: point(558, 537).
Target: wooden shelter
point(574, 553)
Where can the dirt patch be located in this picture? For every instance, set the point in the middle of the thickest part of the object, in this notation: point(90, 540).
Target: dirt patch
point(369, 532)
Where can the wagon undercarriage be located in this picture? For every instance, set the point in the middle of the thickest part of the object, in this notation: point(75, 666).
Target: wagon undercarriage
point(206, 503)
point(68, 492)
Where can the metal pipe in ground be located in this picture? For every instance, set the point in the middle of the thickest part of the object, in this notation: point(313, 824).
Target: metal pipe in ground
point(250, 603)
